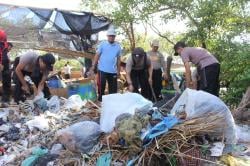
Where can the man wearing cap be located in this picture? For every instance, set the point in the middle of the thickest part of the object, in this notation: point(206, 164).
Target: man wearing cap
point(139, 72)
point(108, 59)
point(159, 68)
point(207, 65)
point(38, 68)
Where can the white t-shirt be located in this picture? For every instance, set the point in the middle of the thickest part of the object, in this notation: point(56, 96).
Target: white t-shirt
point(67, 69)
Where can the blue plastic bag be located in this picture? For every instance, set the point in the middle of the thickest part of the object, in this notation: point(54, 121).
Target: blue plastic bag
point(161, 128)
point(104, 160)
point(36, 154)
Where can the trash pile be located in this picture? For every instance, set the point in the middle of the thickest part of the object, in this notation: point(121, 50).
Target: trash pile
point(126, 130)
point(31, 131)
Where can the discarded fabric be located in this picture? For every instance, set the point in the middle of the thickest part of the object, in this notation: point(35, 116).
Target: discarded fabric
point(13, 134)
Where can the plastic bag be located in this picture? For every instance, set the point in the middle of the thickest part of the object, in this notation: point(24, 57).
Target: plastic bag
point(104, 160)
point(39, 122)
point(200, 103)
point(217, 149)
point(74, 102)
point(4, 113)
point(80, 137)
point(40, 102)
point(5, 159)
point(114, 105)
point(54, 104)
point(56, 149)
point(36, 153)
point(243, 133)
point(38, 96)
point(235, 161)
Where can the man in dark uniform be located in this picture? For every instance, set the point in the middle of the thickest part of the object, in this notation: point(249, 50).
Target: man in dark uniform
point(139, 73)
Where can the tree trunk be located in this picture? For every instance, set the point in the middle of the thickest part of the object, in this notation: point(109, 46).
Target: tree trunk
point(242, 113)
point(132, 42)
point(129, 30)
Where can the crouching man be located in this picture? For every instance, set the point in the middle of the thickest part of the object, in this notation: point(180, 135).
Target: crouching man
point(38, 68)
point(139, 72)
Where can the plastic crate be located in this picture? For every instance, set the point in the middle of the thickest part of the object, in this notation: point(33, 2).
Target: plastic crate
point(54, 83)
point(86, 90)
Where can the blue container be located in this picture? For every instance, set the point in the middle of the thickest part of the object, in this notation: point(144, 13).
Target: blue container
point(86, 91)
point(73, 89)
point(54, 83)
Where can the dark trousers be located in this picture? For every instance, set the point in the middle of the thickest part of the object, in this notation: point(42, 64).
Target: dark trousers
point(6, 81)
point(67, 76)
point(19, 94)
point(111, 78)
point(209, 79)
point(157, 82)
point(139, 79)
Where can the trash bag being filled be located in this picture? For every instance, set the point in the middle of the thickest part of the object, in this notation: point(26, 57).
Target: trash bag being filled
point(194, 104)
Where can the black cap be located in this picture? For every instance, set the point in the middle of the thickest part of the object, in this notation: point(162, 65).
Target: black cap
point(138, 51)
point(49, 60)
point(178, 45)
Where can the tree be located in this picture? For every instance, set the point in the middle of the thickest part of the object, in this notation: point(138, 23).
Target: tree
point(123, 14)
point(213, 24)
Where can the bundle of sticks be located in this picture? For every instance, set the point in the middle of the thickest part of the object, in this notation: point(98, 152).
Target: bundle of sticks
point(170, 144)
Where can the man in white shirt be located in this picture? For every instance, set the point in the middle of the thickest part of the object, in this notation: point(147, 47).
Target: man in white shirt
point(67, 71)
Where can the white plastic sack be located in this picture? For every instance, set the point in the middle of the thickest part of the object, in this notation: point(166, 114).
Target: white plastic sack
point(199, 103)
point(80, 137)
point(5, 159)
point(39, 122)
point(38, 96)
point(217, 149)
point(4, 113)
point(74, 102)
point(243, 133)
point(114, 105)
point(54, 104)
point(56, 149)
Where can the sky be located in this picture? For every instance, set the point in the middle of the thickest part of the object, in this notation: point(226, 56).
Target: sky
point(60, 4)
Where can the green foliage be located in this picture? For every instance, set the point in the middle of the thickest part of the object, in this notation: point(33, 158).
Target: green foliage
point(59, 65)
point(235, 73)
point(214, 23)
